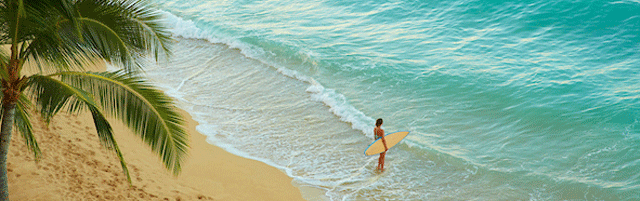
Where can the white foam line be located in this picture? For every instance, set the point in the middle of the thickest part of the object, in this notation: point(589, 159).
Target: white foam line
point(190, 77)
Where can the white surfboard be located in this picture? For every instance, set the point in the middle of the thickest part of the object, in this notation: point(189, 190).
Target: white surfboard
point(392, 139)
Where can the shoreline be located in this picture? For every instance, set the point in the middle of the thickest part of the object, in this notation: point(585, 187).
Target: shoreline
point(307, 191)
point(75, 166)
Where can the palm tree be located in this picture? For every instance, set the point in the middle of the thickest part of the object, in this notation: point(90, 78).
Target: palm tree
point(60, 36)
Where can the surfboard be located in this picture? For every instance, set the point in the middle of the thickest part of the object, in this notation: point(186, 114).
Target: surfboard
point(392, 139)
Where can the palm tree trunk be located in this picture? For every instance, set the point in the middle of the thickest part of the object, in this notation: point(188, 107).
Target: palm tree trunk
point(5, 139)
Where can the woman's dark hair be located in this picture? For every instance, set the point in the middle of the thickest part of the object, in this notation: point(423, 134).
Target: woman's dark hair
point(378, 122)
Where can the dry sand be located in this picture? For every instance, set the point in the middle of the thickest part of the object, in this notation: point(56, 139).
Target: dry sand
point(74, 166)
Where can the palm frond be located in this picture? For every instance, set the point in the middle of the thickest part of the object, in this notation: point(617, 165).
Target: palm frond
point(52, 95)
point(105, 41)
point(105, 132)
point(4, 61)
point(120, 32)
point(46, 34)
point(51, 53)
point(23, 124)
point(144, 109)
point(132, 18)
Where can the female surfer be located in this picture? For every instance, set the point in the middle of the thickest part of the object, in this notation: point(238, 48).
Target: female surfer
point(379, 133)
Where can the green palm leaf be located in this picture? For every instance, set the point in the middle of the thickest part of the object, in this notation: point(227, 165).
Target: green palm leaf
point(4, 60)
point(48, 40)
point(23, 124)
point(52, 95)
point(105, 132)
point(144, 109)
point(130, 17)
point(120, 32)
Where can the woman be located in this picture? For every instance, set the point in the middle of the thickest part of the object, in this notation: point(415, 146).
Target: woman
point(379, 133)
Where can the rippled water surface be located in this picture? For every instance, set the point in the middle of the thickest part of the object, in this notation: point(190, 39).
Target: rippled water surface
point(530, 100)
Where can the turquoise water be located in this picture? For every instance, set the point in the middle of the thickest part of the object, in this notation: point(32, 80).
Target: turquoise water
point(530, 100)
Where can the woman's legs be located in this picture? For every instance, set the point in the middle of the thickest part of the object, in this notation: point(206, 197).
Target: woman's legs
point(382, 155)
point(381, 161)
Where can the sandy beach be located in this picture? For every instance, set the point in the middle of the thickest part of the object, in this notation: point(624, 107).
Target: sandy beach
point(74, 166)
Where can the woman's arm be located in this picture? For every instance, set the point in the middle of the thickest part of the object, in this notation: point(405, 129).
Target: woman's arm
point(384, 142)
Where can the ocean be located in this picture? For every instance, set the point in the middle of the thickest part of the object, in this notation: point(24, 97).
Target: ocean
point(522, 100)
